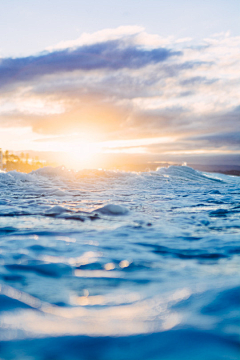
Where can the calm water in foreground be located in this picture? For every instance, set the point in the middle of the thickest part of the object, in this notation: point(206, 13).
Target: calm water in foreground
point(103, 265)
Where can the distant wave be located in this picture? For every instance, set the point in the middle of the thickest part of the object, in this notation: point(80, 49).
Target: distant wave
point(187, 173)
point(172, 173)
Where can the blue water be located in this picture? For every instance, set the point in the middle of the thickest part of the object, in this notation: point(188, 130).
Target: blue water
point(104, 265)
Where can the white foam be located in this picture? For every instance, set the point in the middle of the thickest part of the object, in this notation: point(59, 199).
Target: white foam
point(55, 210)
point(19, 176)
point(112, 209)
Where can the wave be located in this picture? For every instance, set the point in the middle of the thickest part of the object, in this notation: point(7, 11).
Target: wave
point(187, 173)
point(180, 173)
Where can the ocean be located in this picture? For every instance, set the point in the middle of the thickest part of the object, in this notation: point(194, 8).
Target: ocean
point(111, 265)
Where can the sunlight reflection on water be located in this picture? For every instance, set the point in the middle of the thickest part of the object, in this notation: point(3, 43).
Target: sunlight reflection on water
point(119, 255)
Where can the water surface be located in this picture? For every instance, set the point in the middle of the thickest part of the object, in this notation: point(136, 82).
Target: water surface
point(104, 265)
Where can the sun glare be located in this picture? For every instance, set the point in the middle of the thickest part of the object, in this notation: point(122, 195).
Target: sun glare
point(86, 153)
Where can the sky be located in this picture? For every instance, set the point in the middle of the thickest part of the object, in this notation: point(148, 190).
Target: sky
point(152, 79)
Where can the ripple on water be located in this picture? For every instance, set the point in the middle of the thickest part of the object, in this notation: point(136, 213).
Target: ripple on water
point(117, 265)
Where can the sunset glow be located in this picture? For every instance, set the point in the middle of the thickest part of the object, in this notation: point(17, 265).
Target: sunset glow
point(123, 90)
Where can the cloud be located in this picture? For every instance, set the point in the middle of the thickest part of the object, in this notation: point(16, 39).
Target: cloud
point(127, 84)
point(135, 35)
point(110, 55)
point(229, 140)
point(197, 80)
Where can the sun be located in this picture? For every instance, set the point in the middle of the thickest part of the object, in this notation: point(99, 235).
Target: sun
point(83, 155)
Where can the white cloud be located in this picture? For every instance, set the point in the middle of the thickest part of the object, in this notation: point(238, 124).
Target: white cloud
point(193, 92)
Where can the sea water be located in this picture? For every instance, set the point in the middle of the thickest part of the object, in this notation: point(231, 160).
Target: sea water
point(105, 265)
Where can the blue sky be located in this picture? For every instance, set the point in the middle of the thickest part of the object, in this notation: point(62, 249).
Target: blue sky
point(29, 26)
point(145, 78)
